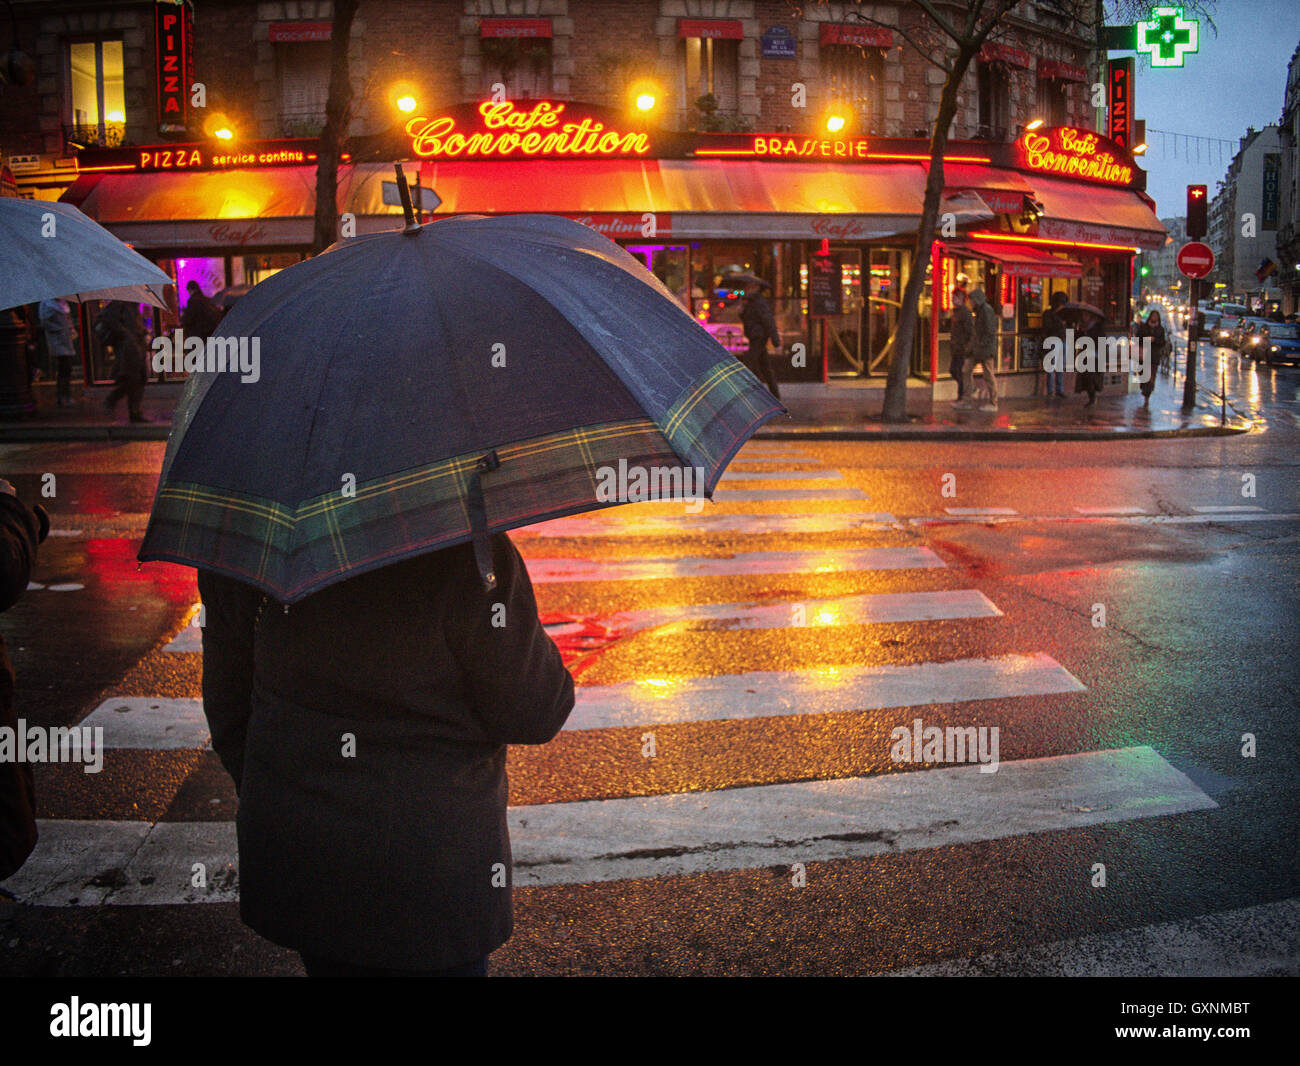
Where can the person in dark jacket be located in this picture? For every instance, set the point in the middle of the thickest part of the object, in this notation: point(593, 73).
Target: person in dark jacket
point(1154, 330)
point(760, 327)
point(1054, 326)
point(984, 349)
point(1091, 381)
point(201, 316)
point(366, 729)
point(22, 528)
point(962, 340)
point(122, 328)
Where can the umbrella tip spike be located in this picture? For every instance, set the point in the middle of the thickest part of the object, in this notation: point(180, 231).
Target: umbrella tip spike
point(404, 191)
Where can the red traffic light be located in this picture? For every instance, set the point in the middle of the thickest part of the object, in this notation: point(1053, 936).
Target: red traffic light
point(1197, 195)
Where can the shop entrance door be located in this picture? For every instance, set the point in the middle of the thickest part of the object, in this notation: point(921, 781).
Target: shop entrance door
point(880, 316)
point(843, 339)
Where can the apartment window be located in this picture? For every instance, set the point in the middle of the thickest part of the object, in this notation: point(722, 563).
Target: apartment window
point(96, 93)
point(855, 80)
point(994, 101)
point(1051, 102)
point(521, 64)
point(304, 69)
point(711, 68)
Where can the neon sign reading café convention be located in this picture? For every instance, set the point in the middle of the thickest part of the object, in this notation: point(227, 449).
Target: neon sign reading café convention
point(1074, 153)
point(507, 131)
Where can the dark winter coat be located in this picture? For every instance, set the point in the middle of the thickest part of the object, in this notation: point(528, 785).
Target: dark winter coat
point(986, 327)
point(759, 322)
point(200, 317)
point(123, 329)
point(19, 536)
point(963, 332)
point(396, 855)
point(1159, 352)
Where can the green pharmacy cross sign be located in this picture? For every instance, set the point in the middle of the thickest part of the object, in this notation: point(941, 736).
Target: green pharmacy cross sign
point(1168, 37)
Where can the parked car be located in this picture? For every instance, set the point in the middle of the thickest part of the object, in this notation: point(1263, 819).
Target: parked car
point(1281, 343)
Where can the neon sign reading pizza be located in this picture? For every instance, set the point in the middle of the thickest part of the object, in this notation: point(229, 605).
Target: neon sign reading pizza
point(542, 130)
point(1075, 154)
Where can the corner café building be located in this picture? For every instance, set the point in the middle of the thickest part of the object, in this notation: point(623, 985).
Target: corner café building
point(828, 221)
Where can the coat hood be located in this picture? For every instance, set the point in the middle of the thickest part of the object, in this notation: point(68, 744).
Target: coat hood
point(978, 298)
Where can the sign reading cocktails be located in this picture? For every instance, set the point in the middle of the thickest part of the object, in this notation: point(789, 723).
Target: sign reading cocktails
point(521, 129)
point(1074, 153)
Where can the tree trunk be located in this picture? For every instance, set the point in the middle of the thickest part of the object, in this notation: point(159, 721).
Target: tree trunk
point(895, 409)
point(337, 110)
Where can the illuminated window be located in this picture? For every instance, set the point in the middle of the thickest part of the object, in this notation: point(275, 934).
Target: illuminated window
point(855, 79)
point(96, 93)
point(521, 64)
point(710, 72)
point(304, 69)
point(994, 101)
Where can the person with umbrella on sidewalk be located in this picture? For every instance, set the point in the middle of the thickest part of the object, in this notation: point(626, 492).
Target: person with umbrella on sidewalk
point(760, 327)
point(371, 639)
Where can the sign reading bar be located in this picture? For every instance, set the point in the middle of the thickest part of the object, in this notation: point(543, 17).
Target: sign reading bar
point(719, 29)
point(505, 130)
point(1119, 101)
point(199, 156)
point(1074, 153)
point(173, 31)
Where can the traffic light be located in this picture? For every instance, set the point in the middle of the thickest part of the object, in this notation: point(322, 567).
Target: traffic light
point(1196, 211)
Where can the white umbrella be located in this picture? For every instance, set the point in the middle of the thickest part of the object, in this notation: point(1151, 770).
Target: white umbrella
point(50, 250)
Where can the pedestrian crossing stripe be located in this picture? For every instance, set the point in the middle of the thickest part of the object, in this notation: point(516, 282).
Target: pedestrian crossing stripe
point(86, 863)
point(980, 510)
point(165, 724)
point(733, 474)
point(695, 525)
point(543, 570)
point(723, 494)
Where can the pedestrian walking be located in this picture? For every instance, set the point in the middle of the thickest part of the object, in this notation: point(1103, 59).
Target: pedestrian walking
point(22, 529)
point(1054, 326)
point(961, 341)
point(201, 316)
point(1091, 381)
point(760, 327)
point(1153, 330)
point(984, 348)
point(120, 327)
point(60, 340)
point(366, 728)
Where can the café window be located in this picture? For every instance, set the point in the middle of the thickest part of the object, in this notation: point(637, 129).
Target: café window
point(304, 68)
point(994, 101)
point(96, 93)
point(1051, 102)
point(855, 79)
point(710, 76)
point(521, 64)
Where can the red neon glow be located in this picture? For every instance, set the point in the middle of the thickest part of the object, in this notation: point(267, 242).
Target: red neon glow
point(1049, 240)
point(1074, 153)
point(787, 147)
point(1004, 288)
point(508, 131)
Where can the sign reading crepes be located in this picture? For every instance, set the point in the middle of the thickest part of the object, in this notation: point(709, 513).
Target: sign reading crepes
point(505, 130)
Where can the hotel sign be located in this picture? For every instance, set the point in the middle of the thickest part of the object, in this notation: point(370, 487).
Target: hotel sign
point(174, 39)
point(1072, 153)
point(510, 130)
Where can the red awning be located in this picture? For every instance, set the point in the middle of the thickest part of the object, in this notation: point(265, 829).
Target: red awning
point(1089, 213)
point(514, 27)
point(1003, 190)
point(1023, 260)
point(1055, 68)
point(726, 29)
point(993, 52)
point(857, 34)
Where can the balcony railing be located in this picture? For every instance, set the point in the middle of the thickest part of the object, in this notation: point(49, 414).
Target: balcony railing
point(89, 135)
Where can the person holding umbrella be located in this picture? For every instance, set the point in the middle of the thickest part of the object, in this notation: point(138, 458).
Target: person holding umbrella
point(760, 327)
point(1154, 331)
point(371, 640)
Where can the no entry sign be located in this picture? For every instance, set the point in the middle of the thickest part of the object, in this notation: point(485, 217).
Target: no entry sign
point(1195, 259)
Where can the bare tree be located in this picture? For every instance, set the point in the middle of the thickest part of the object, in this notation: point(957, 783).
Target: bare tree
point(338, 113)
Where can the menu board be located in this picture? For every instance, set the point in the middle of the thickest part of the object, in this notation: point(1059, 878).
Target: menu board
point(825, 290)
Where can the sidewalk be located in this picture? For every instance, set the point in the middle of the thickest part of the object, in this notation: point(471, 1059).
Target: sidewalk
point(831, 412)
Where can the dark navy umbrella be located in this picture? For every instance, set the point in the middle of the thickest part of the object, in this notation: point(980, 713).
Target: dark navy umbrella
point(418, 389)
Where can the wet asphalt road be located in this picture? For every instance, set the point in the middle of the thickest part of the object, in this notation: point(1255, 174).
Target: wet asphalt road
point(764, 670)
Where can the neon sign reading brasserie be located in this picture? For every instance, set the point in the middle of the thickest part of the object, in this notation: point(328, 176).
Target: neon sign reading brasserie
point(1074, 153)
point(508, 131)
